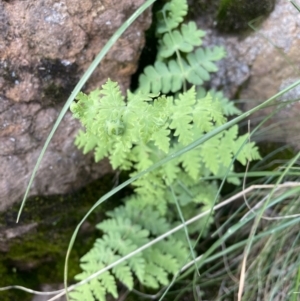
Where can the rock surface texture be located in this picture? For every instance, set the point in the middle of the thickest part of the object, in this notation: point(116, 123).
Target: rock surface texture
point(45, 46)
point(260, 62)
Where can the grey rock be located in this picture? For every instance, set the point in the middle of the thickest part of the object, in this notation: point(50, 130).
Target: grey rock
point(259, 63)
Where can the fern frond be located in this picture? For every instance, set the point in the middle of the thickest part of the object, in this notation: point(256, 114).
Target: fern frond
point(170, 171)
point(191, 163)
point(123, 273)
point(140, 154)
point(86, 141)
point(249, 151)
point(155, 276)
point(228, 145)
point(176, 248)
point(208, 113)
point(229, 108)
point(211, 155)
point(182, 116)
point(217, 153)
point(161, 77)
point(126, 230)
point(96, 289)
point(137, 133)
point(200, 64)
point(169, 77)
point(171, 15)
point(184, 40)
point(161, 138)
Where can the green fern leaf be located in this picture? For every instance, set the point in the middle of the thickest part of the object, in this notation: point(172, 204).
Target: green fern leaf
point(182, 193)
point(228, 106)
point(118, 158)
point(151, 80)
point(166, 261)
point(99, 292)
point(96, 288)
point(150, 219)
point(86, 141)
point(170, 171)
point(249, 151)
point(177, 79)
point(192, 34)
point(161, 77)
point(111, 96)
point(183, 41)
point(85, 108)
point(210, 154)
point(227, 145)
point(138, 266)
point(193, 72)
point(149, 280)
point(84, 293)
point(153, 221)
point(182, 116)
point(100, 152)
point(171, 15)
point(175, 248)
point(108, 281)
point(200, 64)
point(204, 194)
point(208, 113)
point(141, 155)
point(205, 57)
point(161, 139)
point(123, 273)
point(155, 276)
point(191, 163)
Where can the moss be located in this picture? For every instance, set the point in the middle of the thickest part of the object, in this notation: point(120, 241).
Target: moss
point(234, 15)
point(231, 16)
point(38, 256)
point(54, 92)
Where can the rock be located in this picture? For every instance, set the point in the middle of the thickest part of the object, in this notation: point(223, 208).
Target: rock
point(45, 47)
point(259, 63)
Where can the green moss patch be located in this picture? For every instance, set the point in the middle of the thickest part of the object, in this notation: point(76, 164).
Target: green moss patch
point(37, 256)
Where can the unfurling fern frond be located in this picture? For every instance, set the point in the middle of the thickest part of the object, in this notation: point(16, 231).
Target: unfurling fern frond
point(125, 231)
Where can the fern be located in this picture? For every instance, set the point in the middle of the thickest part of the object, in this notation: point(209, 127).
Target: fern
point(184, 40)
point(150, 127)
point(144, 127)
point(170, 76)
point(162, 126)
point(176, 63)
point(126, 230)
point(171, 15)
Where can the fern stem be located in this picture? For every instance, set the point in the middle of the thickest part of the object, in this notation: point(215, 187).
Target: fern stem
point(177, 53)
